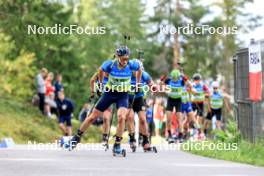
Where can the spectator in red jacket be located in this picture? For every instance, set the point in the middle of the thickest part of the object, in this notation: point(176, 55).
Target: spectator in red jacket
point(48, 82)
point(49, 95)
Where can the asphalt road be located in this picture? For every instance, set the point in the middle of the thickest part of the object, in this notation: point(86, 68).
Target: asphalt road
point(22, 161)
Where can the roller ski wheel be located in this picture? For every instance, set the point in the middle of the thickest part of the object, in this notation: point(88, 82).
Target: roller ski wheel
point(71, 144)
point(105, 145)
point(120, 153)
point(181, 140)
point(171, 140)
point(64, 140)
point(151, 149)
point(68, 146)
point(117, 151)
point(124, 153)
point(133, 147)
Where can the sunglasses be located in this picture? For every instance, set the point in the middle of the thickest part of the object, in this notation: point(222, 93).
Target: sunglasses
point(124, 59)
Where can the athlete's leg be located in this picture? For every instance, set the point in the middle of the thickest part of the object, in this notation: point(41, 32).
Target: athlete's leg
point(181, 121)
point(186, 119)
point(208, 122)
point(218, 114)
point(143, 123)
point(200, 113)
point(181, 125)
point(107, 115)
point(121, 115)
point(150, 130)
point(169, 110)
point(130, 121)
point(121, 100)
point(131, 128)
point(191, 118)
point(168, 122)
point(195, 111)
point(180, 117)
point(157, 127)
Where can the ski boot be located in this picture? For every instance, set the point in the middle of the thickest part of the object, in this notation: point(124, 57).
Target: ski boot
point(181, 140)
point(118, 151)
point(74, 141)
point(64, 140)
point(105, 142)
point(146, 145)
point(132, 142)
point(170, 140)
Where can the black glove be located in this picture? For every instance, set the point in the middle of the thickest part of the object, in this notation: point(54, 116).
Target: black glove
point(99, 94)
point(91, 97)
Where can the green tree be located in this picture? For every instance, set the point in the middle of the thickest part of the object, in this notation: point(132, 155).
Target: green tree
point(15, 74)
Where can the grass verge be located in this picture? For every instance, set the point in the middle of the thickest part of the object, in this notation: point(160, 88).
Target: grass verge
point(245, 152)
point(24, 123)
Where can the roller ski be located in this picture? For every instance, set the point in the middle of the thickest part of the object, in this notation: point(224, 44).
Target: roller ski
point(170, 140)
point(132, 142)
point(105, 145)
point(118, 151)
point(180, 138)
point(133, 146)
point(148, 148)
point(146, 145)
point(71, 144)
point(63, 140)
point(105, 142)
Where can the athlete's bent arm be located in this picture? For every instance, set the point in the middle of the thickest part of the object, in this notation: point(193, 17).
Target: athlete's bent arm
point(92, 82)
point(138, 76)
point(100, 76)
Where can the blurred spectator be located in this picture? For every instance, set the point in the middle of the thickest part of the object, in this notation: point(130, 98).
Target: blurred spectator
point(65, 110)
point(158, 115)
point(49, 95)
point(83, 113)
point(149, 115)
point(87, 108)
point(58, 85)
point(51, 104)
point(41, 88)
point(174, 124)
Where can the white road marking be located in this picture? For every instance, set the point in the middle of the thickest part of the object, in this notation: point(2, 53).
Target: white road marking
point(216, 165)
point(228, 165)
point(110, 169)
point(28, 159)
